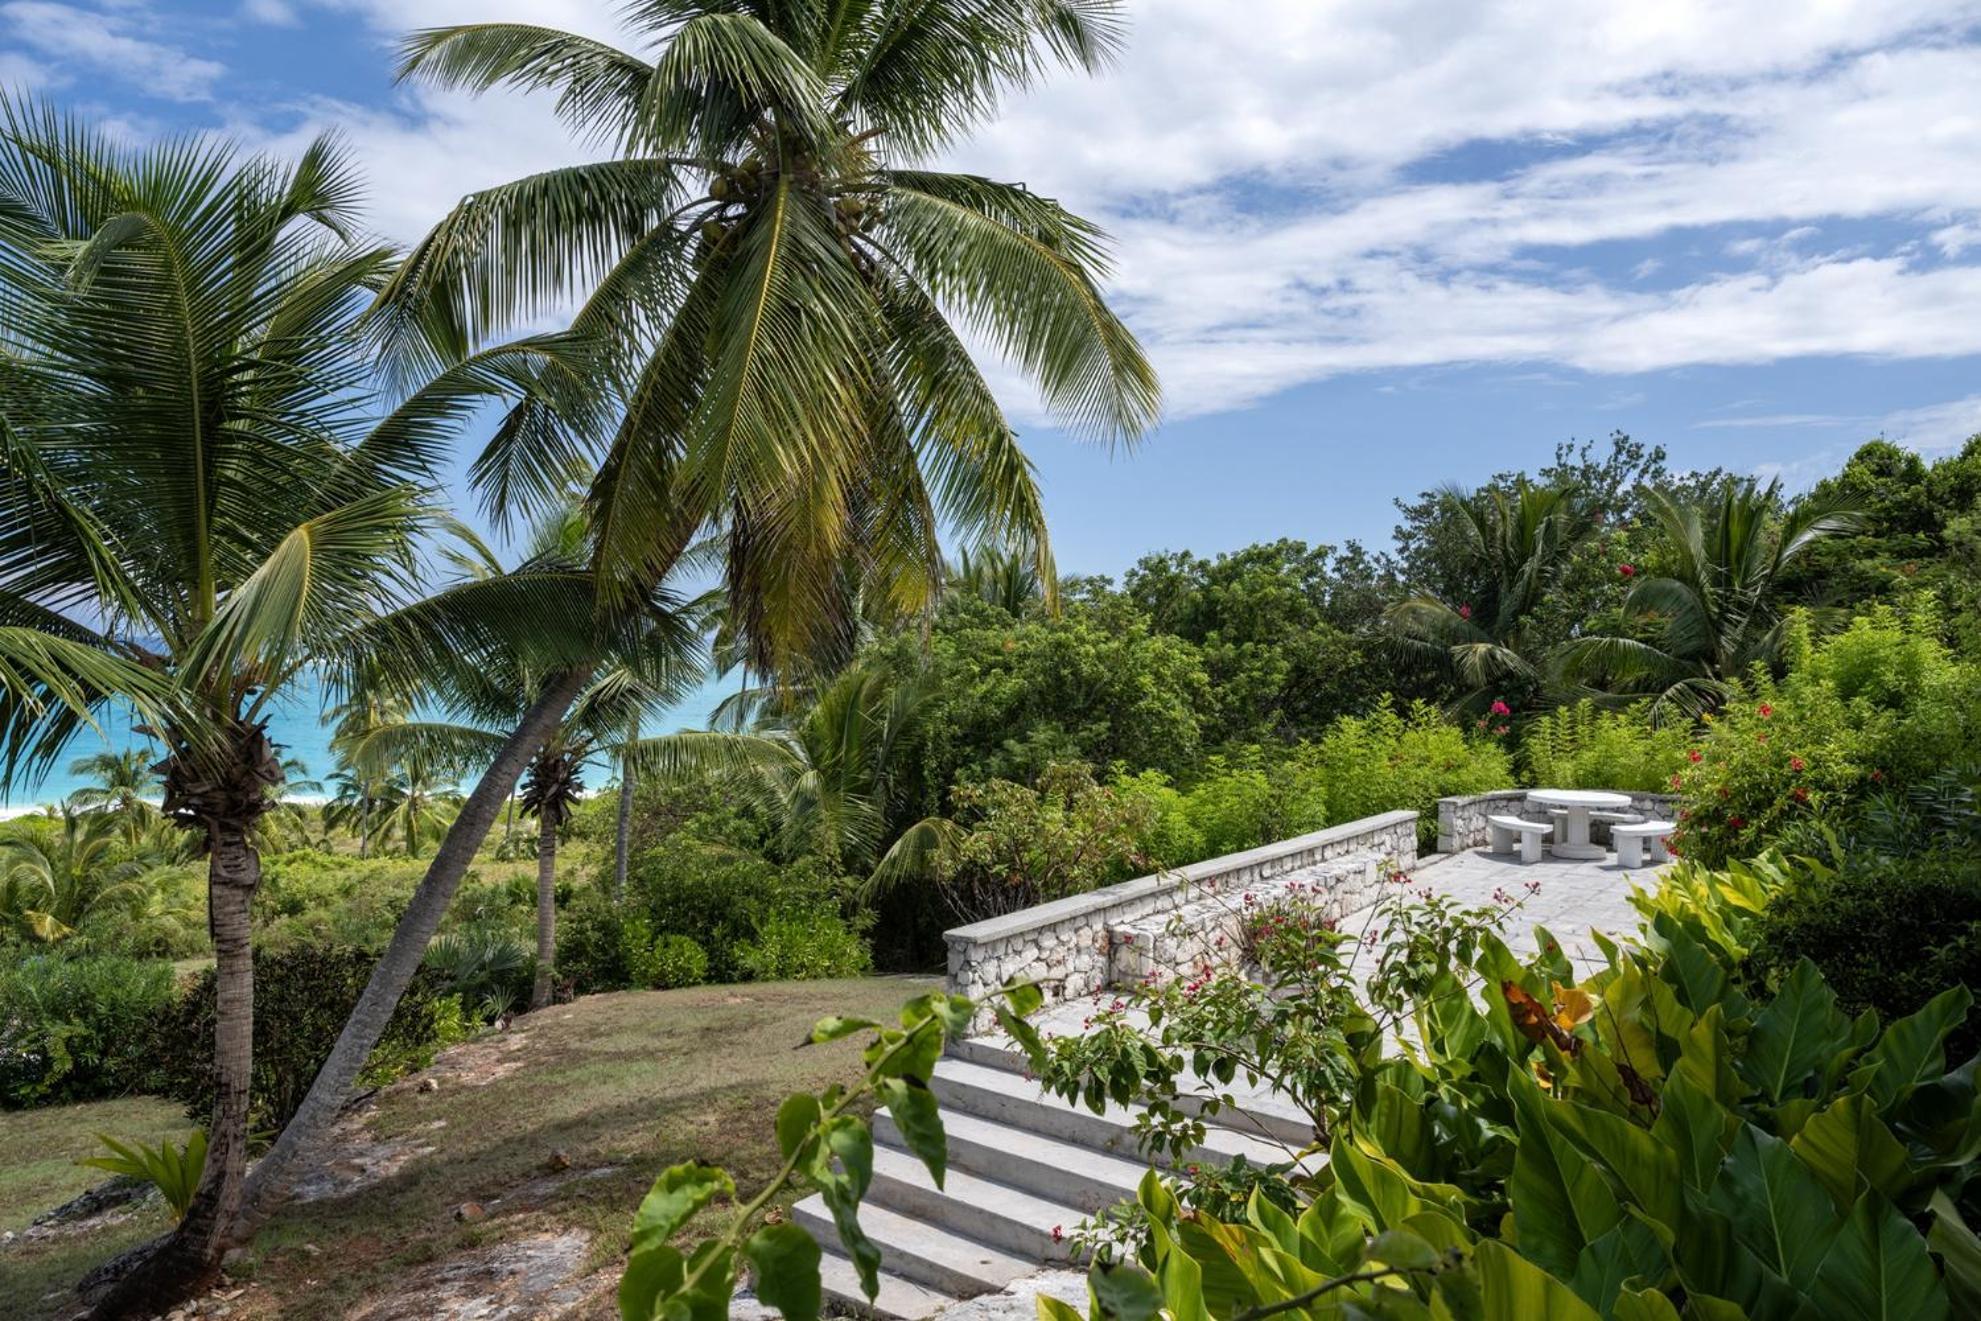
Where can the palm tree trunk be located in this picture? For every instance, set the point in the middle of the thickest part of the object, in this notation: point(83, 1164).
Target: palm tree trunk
point(187, 1261)
point(272, 1176)
point(546, 906)
point(623, 835)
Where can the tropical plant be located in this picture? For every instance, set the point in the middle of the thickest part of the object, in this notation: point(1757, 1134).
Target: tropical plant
point(56, 873)
point(1520, 540)
point(792, 384)
point(174, 1170)
point(125, 784)
point(208, 483)
point(824, 777)
point(1583, 746)
point(1715, 613)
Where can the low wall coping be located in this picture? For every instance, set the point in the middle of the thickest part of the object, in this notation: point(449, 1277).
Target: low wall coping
point(1094, 901)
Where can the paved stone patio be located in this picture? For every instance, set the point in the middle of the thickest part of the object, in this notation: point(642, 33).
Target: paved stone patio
point(1573, 896)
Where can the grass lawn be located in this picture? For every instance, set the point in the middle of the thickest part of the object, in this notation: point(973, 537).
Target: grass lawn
point(619, 1086)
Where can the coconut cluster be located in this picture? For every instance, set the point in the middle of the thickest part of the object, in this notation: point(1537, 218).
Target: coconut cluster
point(740, 187)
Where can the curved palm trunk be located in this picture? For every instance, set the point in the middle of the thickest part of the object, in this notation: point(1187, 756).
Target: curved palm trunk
point(271, 1178)
point(546, 908)
point(225, 805)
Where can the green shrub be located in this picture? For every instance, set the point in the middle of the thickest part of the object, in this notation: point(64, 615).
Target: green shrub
point(1170, 838)
point(1887, 933)
point(719, 897)
point(802, 947)
point(666, 961)
point(1585, 747)
point(487, 966)
point(1407, 758)
point(591, 945)
point(1257, 797)
point(302, 997)
point(1019, 845)
point(72, 1028)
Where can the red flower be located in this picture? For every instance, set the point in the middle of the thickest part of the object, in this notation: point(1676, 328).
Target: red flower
point(1695, 755)
point(1797, 764)
point(1765, 710)
point(1877, 777)
point(1800, 794)
point(1501, 729)
point(1465, 611)
point(1678, 781)
point(1058, 1233)
point(1736, 822)
point(1627, 570)
point(1500, 708)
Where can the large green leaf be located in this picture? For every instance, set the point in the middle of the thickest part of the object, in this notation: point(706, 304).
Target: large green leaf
point(1515, 1289)
point(1795, 1035)
point(1849, 1148)
point(1878, 1269)
point(1779, 1210)
point(785, 1259)
point(1560, 1202)
point(1647, 1168)
point(1912, 1050)
point(1696, 1128)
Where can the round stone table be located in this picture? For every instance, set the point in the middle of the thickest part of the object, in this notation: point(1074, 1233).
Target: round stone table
point(1573, 841)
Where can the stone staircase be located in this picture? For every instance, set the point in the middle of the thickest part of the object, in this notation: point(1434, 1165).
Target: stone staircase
point(1022, 1164)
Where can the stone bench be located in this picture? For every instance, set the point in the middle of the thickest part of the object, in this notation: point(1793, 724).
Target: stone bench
point(1631, 839)
point(1531, 833)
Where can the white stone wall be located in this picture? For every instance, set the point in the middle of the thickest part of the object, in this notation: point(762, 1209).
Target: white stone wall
point(1064, 945)
point(1462, 820)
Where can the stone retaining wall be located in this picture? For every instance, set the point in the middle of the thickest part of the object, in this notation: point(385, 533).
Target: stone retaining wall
point(1462, 820)
point(1063, 945)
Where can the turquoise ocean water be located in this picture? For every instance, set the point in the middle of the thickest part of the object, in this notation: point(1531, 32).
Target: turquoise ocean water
point(295, 722)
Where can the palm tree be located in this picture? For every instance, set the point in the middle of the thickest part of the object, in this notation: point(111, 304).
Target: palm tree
point(126, 783)
point(1520, 541)
point(1714, 615)
point(421, 802)
point(824, 777)
point(208, 481)
point(774, 282)
point(54, 873)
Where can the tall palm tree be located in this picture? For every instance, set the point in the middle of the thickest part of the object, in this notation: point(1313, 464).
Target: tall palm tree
point(125, 784)
point(775, 280)
point(1520, 540)
point(207, 482)
point(1714, 615)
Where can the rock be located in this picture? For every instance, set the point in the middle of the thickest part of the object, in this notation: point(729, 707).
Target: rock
point(1019, 1301)
point(558, 1160)
point(428, 1085)
point(313, 1249)
point(469, 1213)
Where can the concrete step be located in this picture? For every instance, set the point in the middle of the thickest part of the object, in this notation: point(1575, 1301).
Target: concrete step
point(921, 1253)
point(1010, 1099)
point(1062, 1172)
point(973, 1206)
point(1254, 1110)
point(898, 1300)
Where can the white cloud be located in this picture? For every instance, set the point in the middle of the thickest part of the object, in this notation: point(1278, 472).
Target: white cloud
point(272, 13)
point(115, 43)
point(1293, 195)
point(1935, 428)
point(1769, 420)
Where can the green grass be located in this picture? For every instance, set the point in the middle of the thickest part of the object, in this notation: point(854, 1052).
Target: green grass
point(635, 1081)
point(39, 1149)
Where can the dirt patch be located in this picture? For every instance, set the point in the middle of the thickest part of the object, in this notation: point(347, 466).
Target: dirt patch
point(523, 1279)
point(360, 1162)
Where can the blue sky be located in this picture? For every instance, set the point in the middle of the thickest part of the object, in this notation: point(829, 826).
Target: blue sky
point(1372, 245)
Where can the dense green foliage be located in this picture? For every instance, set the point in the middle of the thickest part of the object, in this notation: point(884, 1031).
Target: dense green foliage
point(302, 997)
point(74, 1028)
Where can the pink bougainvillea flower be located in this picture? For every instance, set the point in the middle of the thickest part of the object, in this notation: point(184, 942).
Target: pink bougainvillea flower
point(1797, 764)
point(1765, 710)
point(1627, 570)
point(1500, 708)
point(1501, 730)
point(1465, 611)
